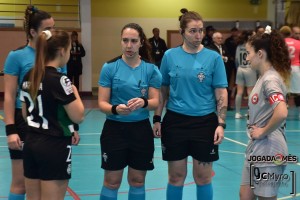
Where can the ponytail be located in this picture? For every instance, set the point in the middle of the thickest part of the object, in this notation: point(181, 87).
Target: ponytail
point(48, 46)
point(280, 56)
point(277, 52)
point(38, 71)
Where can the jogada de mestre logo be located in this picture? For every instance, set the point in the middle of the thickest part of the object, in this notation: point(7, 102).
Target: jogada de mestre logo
point(277, 159)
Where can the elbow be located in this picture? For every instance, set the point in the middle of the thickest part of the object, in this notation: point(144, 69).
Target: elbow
point(284, 115)
point(101, 107)
point(154, 104)
point(78, 118)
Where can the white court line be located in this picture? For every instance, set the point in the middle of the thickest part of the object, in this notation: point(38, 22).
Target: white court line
point(243, 144)
point(235, 141)
point(289, 197)
point(81, 134)
point(233, 152)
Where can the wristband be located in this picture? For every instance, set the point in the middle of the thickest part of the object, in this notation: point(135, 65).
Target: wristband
point(156, 118)
point(222, 125)
point(145, 102)
point(10, 129)
point(114, 109)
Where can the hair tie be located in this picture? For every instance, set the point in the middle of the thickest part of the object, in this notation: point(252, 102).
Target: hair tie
point(268, 30)
point(32, 10)
point(48, 34)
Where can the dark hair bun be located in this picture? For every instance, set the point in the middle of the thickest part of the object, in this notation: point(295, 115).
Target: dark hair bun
point(184, 10)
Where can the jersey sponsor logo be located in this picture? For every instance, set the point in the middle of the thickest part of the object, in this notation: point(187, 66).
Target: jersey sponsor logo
point(276, 98)
point(201, 76)
point(254, 99)
point(66, 85)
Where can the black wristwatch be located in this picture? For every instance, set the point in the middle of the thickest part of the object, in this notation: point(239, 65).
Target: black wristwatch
point(223, 125)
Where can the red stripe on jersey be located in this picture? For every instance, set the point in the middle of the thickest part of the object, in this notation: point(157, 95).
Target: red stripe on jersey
point(276, 98)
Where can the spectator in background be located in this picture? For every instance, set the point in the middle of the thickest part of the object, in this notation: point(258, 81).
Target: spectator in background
point(296, 32)
point(159, 47)
point(245, 76)
point(259, 30)
point(231, 44)
point(220, 48)
point(207, 40)
point(74, 65)
point(294, 52)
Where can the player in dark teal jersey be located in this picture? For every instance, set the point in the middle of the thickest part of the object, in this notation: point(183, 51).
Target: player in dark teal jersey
point(51, 104)
point(128, 89)
point(195, 79)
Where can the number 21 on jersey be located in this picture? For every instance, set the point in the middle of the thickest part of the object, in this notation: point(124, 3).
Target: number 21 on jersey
point(30, 118)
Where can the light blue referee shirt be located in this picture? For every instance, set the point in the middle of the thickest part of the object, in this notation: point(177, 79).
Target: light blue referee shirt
point(192, 79)
point(18, 63)
point(127, 83)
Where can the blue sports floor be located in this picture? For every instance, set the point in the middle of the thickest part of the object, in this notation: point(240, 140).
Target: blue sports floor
point(87, 176)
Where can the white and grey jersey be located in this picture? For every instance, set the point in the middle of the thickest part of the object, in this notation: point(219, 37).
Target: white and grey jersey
point(240, 56)
point(267, 93)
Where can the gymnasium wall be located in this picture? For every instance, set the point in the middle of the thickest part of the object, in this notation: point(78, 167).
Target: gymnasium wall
point(109, 16)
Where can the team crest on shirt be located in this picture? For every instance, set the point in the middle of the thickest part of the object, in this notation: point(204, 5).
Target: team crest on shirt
point(254, 99)
point(201, 76)
point(69, 169)
point(143, 91)
point(105, 157)
point(66, 85)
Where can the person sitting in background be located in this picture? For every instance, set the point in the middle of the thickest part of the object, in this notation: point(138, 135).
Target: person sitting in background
point(159, 47)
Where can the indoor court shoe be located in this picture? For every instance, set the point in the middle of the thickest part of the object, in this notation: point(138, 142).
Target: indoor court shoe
point(238, 116)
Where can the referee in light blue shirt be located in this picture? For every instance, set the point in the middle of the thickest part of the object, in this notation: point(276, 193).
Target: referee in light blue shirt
point(194, 123)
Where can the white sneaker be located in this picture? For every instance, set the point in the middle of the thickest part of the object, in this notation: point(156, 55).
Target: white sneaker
point(238, 116)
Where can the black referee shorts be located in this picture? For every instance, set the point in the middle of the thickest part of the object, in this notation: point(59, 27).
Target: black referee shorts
point(22, 128)
point(184, 136)
point(127, 143)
